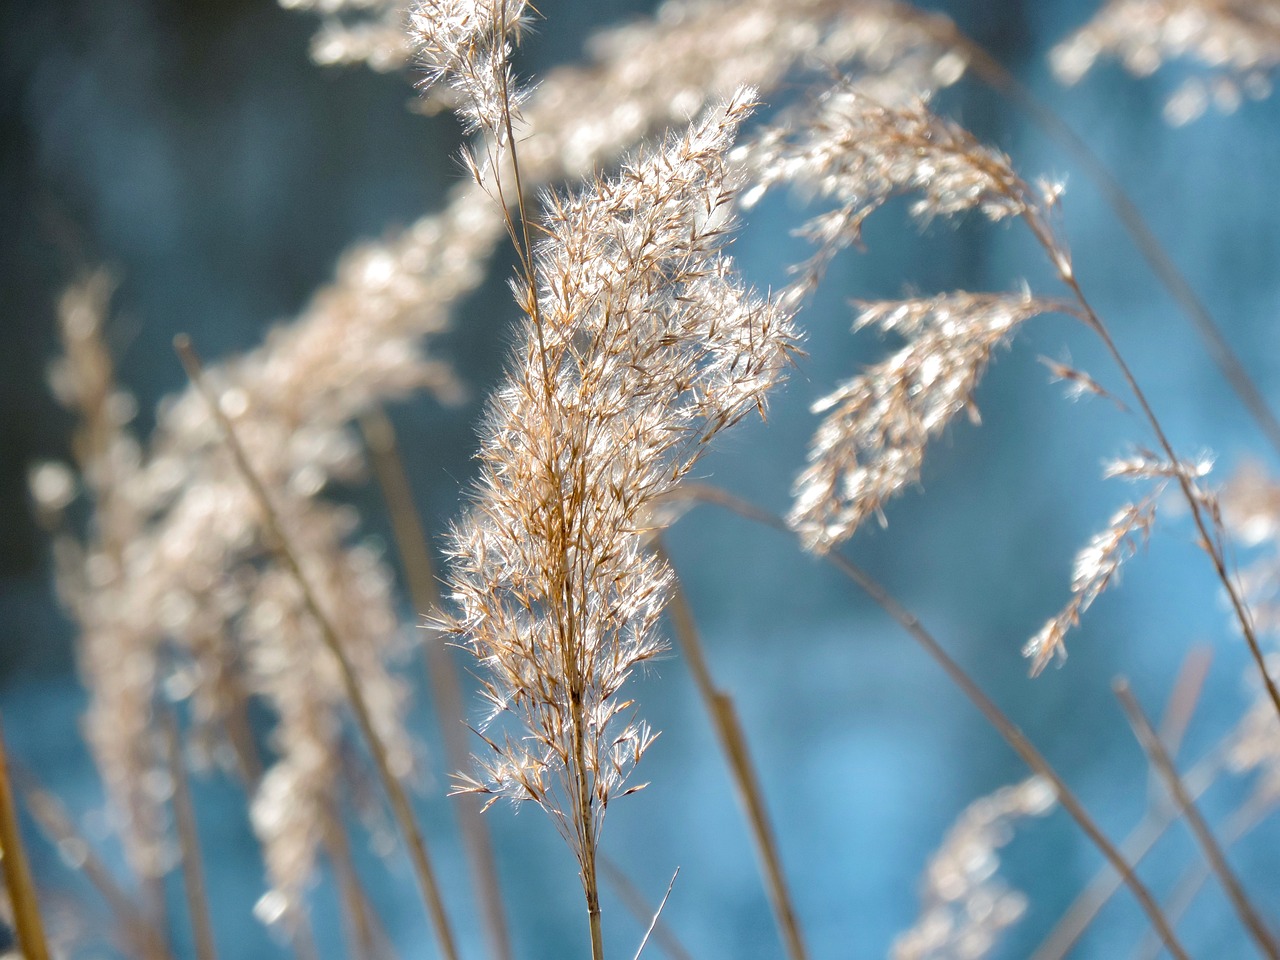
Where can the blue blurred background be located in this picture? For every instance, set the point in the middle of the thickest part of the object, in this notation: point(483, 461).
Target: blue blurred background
point(193, 149)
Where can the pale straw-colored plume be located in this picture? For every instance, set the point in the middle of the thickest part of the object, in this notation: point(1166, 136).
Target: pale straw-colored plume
point(196, 557)
point(965, 906)
point(291, 670)
point(371, 32)
point(857, 153)
point(1236, 41)
point(876, 427)
point(177, 593)
point(641, 345)
point(200, 576)
point(117, 637)
point(197, 554)
point(653, 71)
point(1097, 565)
point(466, 44)
point(660, 71)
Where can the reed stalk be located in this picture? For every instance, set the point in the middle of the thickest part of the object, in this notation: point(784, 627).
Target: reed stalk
point(1243, 820)
point(192, 863)
point(1007, 729)
point(402, 810)
point(1164, 766)
point(1159, 816)
point(409, 530)
point(742, 770)
point(641, 909)
point(55, 823)
point(28, 924)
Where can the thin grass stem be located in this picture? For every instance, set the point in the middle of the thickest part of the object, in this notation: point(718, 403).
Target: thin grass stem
point(1184, 698)
point(1162, 763)
point(1160, 815)
point(1239, 825)
point(409, 531)
point(733, 744)
point(641, 909)
point(56, 824)
point(184, 816)
point(357, 910)
point(363, 941)
point(1007, 729)
point(401, 808)
point(27, 922)
point(657, 915)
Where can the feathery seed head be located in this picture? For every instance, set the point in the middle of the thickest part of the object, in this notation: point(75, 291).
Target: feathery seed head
point(644, 344)
point(966, 906)
point(1237, 40)
point(464, 43)
point(1097, 564)
point(876, 427)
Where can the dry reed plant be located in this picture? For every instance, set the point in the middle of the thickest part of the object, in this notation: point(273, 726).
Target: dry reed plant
point(640, 344)
point(217, 573)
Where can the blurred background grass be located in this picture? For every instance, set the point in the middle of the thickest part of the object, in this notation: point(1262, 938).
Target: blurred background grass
point(193, 149)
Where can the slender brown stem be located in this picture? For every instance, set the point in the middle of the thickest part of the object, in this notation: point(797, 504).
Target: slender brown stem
point(1158, 818)
point(401, 808)
point(1210, 542)
point(361, 933)
point(55, 823)
point(240, 732)
point(641, 909)
point(357, 910)
point(188, 839)
point(1016, 739)
point(993, 73)
point(1140, 842)
point(302, 940)
point(17, 873)
point(1239, 825)
point(1160, 760)
point(155, 904)
point(1007, 729)
point(569, 639)
point(1185, 696)
point(733, 743)
point(593, 912)
point(409, 531)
